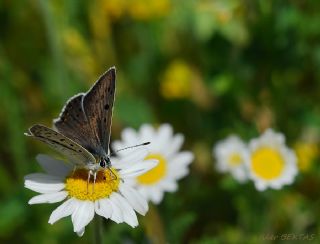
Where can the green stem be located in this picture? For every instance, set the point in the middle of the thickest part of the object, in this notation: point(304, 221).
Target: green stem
point(153, 226)
point(97, 230)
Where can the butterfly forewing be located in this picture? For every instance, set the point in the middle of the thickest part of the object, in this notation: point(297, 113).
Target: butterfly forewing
point(73, 123)
point(98, 106)
point(72, 150)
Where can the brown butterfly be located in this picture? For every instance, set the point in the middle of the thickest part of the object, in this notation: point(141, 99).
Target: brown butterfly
point(83, 128)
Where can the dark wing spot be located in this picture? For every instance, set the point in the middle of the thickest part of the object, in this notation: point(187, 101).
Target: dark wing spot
point(71, 145)
point(106, 107)
point(80, 151)
point(105, 120)
point(61, 139)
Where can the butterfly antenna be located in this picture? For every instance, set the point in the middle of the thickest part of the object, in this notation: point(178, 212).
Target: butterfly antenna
point(139, 145)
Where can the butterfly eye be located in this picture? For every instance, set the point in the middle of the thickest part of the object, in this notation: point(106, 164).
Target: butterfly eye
point(102, 163)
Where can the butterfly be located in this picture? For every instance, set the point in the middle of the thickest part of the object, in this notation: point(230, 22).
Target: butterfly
point(82, 131)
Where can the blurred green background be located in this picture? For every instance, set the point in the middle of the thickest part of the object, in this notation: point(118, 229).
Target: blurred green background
point(209, 68)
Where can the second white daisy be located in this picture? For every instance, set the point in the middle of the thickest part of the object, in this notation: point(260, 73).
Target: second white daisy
point(164, 147)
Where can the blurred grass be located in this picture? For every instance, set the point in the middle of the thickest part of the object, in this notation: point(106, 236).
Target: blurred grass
point(210, 68)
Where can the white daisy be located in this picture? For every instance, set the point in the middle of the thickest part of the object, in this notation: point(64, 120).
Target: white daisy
point(111, 197)
point(165, 147)
point(271, 163)
point(230, 155)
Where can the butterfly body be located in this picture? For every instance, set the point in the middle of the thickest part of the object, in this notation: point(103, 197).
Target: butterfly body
point(82, 130)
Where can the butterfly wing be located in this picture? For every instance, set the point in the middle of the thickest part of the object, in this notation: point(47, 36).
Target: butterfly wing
point(86, 118)
point(72, 150)
point(73, 123)
point(98, 107)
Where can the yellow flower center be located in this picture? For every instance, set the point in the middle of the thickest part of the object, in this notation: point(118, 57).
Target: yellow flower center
point(267, 163)
point(155, 174)
point(107, 181)
point(235, 159)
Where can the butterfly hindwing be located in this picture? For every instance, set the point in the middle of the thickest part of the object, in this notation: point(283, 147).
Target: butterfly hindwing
point(72, 122)
point(72, 150)
point(98, 106)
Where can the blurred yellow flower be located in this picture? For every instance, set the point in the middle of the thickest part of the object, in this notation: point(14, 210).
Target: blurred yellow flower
point(224, 16)
point(306, 152)
point(78, 54)
point(176, 81)
point(227, 17)
point(115, 9)
point(73, 41)
point(222, 11)
point(148, 9)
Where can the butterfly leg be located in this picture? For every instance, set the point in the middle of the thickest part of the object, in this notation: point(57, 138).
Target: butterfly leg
point(74, 170)
point(113, 175)
point(88, 181)
point(94, 180)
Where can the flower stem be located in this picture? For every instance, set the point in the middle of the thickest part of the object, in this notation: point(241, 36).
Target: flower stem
point(153, 226)
point(97, 230)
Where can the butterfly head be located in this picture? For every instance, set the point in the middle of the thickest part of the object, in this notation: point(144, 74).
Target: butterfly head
point(105, 162)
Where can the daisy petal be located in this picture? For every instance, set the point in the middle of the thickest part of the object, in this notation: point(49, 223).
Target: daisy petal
point(177, 172)
point(49, 197)
point(175, 145)
point(116, 214)
point(169, 185)
point(261, 186)
point(117, 145)
point(81, 232)
point(182, 159)
point(64, 210)
point(164, 136)
point(129, 136)
point(147, 133)
point(82, 215)
point(103, 208)
point(132, 156)
point(139, 168)
point(128, 213)
point(156, 196)
point(134, 198)
point(53, 166)
point(43, 178)
point(43, 183)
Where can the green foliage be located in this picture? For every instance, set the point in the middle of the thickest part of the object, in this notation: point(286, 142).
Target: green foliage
point(249, 64)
